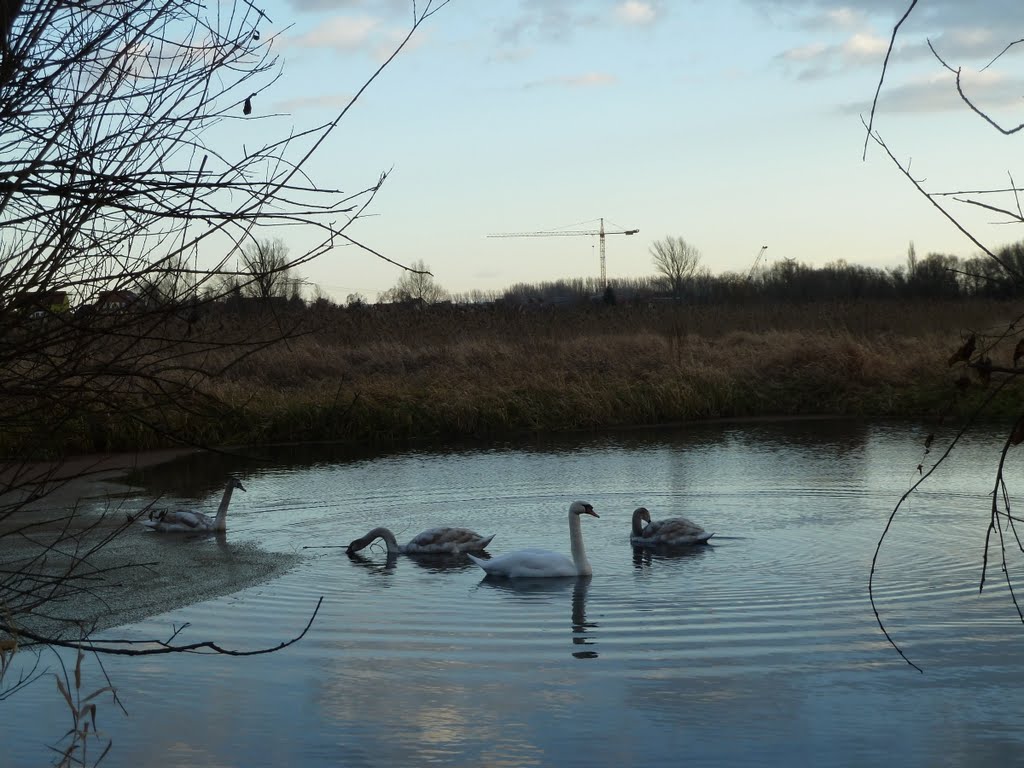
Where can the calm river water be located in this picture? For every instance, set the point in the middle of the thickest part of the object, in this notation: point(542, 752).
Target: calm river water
point(761, 649)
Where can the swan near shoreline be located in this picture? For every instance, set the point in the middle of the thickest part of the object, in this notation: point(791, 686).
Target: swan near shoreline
point(190, 520)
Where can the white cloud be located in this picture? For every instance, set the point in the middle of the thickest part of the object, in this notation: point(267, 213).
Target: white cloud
point(590, 79)
point(844, 17)
point(547, 20)
point(996, 95)
point(341, 33)
point(374, 7)
point(810, 52)
point(995, 14)
point(636, 12)
point(839, 18)
point(864, 45)
point(856, 33)
point(861, 49)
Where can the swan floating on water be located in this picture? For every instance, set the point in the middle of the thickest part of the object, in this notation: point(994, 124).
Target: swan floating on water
point(190, 521)
point(673, 532)
point(534, 563)
point(435, 541)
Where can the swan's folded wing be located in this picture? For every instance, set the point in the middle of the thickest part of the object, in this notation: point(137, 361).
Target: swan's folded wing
point(674, 527)
point(180, 520)
point(529, 563)
point(675, 531)
point(443, 540)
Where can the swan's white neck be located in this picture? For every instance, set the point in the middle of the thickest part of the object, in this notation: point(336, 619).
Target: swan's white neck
point(220, 522)
point(579, 555)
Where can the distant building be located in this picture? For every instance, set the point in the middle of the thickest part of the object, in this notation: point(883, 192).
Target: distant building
point(40, 303)
point(115, 301)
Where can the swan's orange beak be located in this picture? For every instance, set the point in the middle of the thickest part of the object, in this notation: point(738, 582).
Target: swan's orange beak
point(590, 511)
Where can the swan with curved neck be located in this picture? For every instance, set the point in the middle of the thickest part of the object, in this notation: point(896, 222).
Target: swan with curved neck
point(537, 563)
point(673, 532)
point(191, 521)
point(435, 541)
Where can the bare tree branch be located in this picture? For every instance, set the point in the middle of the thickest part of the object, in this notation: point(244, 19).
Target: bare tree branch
point(885, 67)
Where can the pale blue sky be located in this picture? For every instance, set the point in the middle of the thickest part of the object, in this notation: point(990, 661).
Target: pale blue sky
point(732, 123)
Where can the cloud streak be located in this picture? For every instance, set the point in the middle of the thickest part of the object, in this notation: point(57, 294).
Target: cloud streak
point(588, 80)
point(636, 12)
point(856, 33)
point(991, 92)
point(398, 9)
point(341, 33)
point(818, 60)
point(330, 101)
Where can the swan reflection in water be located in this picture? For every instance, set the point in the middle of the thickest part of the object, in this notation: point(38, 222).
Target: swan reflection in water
point(645, 557)
point(432, 563)
point(531, 588)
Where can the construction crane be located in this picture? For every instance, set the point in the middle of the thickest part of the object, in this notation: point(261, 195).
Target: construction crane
point(601, 232)
point(757, 261)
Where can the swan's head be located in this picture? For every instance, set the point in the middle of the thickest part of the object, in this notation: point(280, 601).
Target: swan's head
point(641, 513)
point(356, 545)
point(582, 508)
point(236, 483)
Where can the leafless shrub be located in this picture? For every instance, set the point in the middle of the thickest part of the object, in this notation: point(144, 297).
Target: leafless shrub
point(985, 358)
point(120, 218)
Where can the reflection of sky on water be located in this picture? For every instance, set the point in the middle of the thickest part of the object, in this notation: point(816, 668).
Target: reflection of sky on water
point(759, 649)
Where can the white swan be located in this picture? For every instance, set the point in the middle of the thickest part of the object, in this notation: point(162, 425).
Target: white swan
point(673, 532)
point(190, 521)
point(435, 541)
point(533, 563)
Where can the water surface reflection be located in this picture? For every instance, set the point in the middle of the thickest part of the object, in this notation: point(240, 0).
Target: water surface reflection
point(530, 591)
point(757, 649)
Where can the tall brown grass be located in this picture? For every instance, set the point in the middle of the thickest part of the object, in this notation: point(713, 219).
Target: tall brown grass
point(380, 374)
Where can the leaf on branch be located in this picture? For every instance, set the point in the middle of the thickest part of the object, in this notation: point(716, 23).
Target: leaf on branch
point(1018, 352)
point(1017, 435)
point(255, 34)
point(247, 110)
point(965, 352)
point(928, 442)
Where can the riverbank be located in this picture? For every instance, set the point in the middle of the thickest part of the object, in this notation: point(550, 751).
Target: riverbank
point(374, 377)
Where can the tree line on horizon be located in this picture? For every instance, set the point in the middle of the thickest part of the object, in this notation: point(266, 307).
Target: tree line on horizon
point(679, 277)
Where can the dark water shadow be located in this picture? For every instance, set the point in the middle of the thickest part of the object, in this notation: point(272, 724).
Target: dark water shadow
point(372, 566)
point(432, 563)
point(530, 588)
point(647, 557)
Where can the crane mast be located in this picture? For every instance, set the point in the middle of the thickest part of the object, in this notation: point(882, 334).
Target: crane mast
point(757, 261)
point(600, 232)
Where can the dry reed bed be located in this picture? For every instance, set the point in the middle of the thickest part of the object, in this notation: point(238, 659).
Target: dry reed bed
point(388, 376)
point(380, 375)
